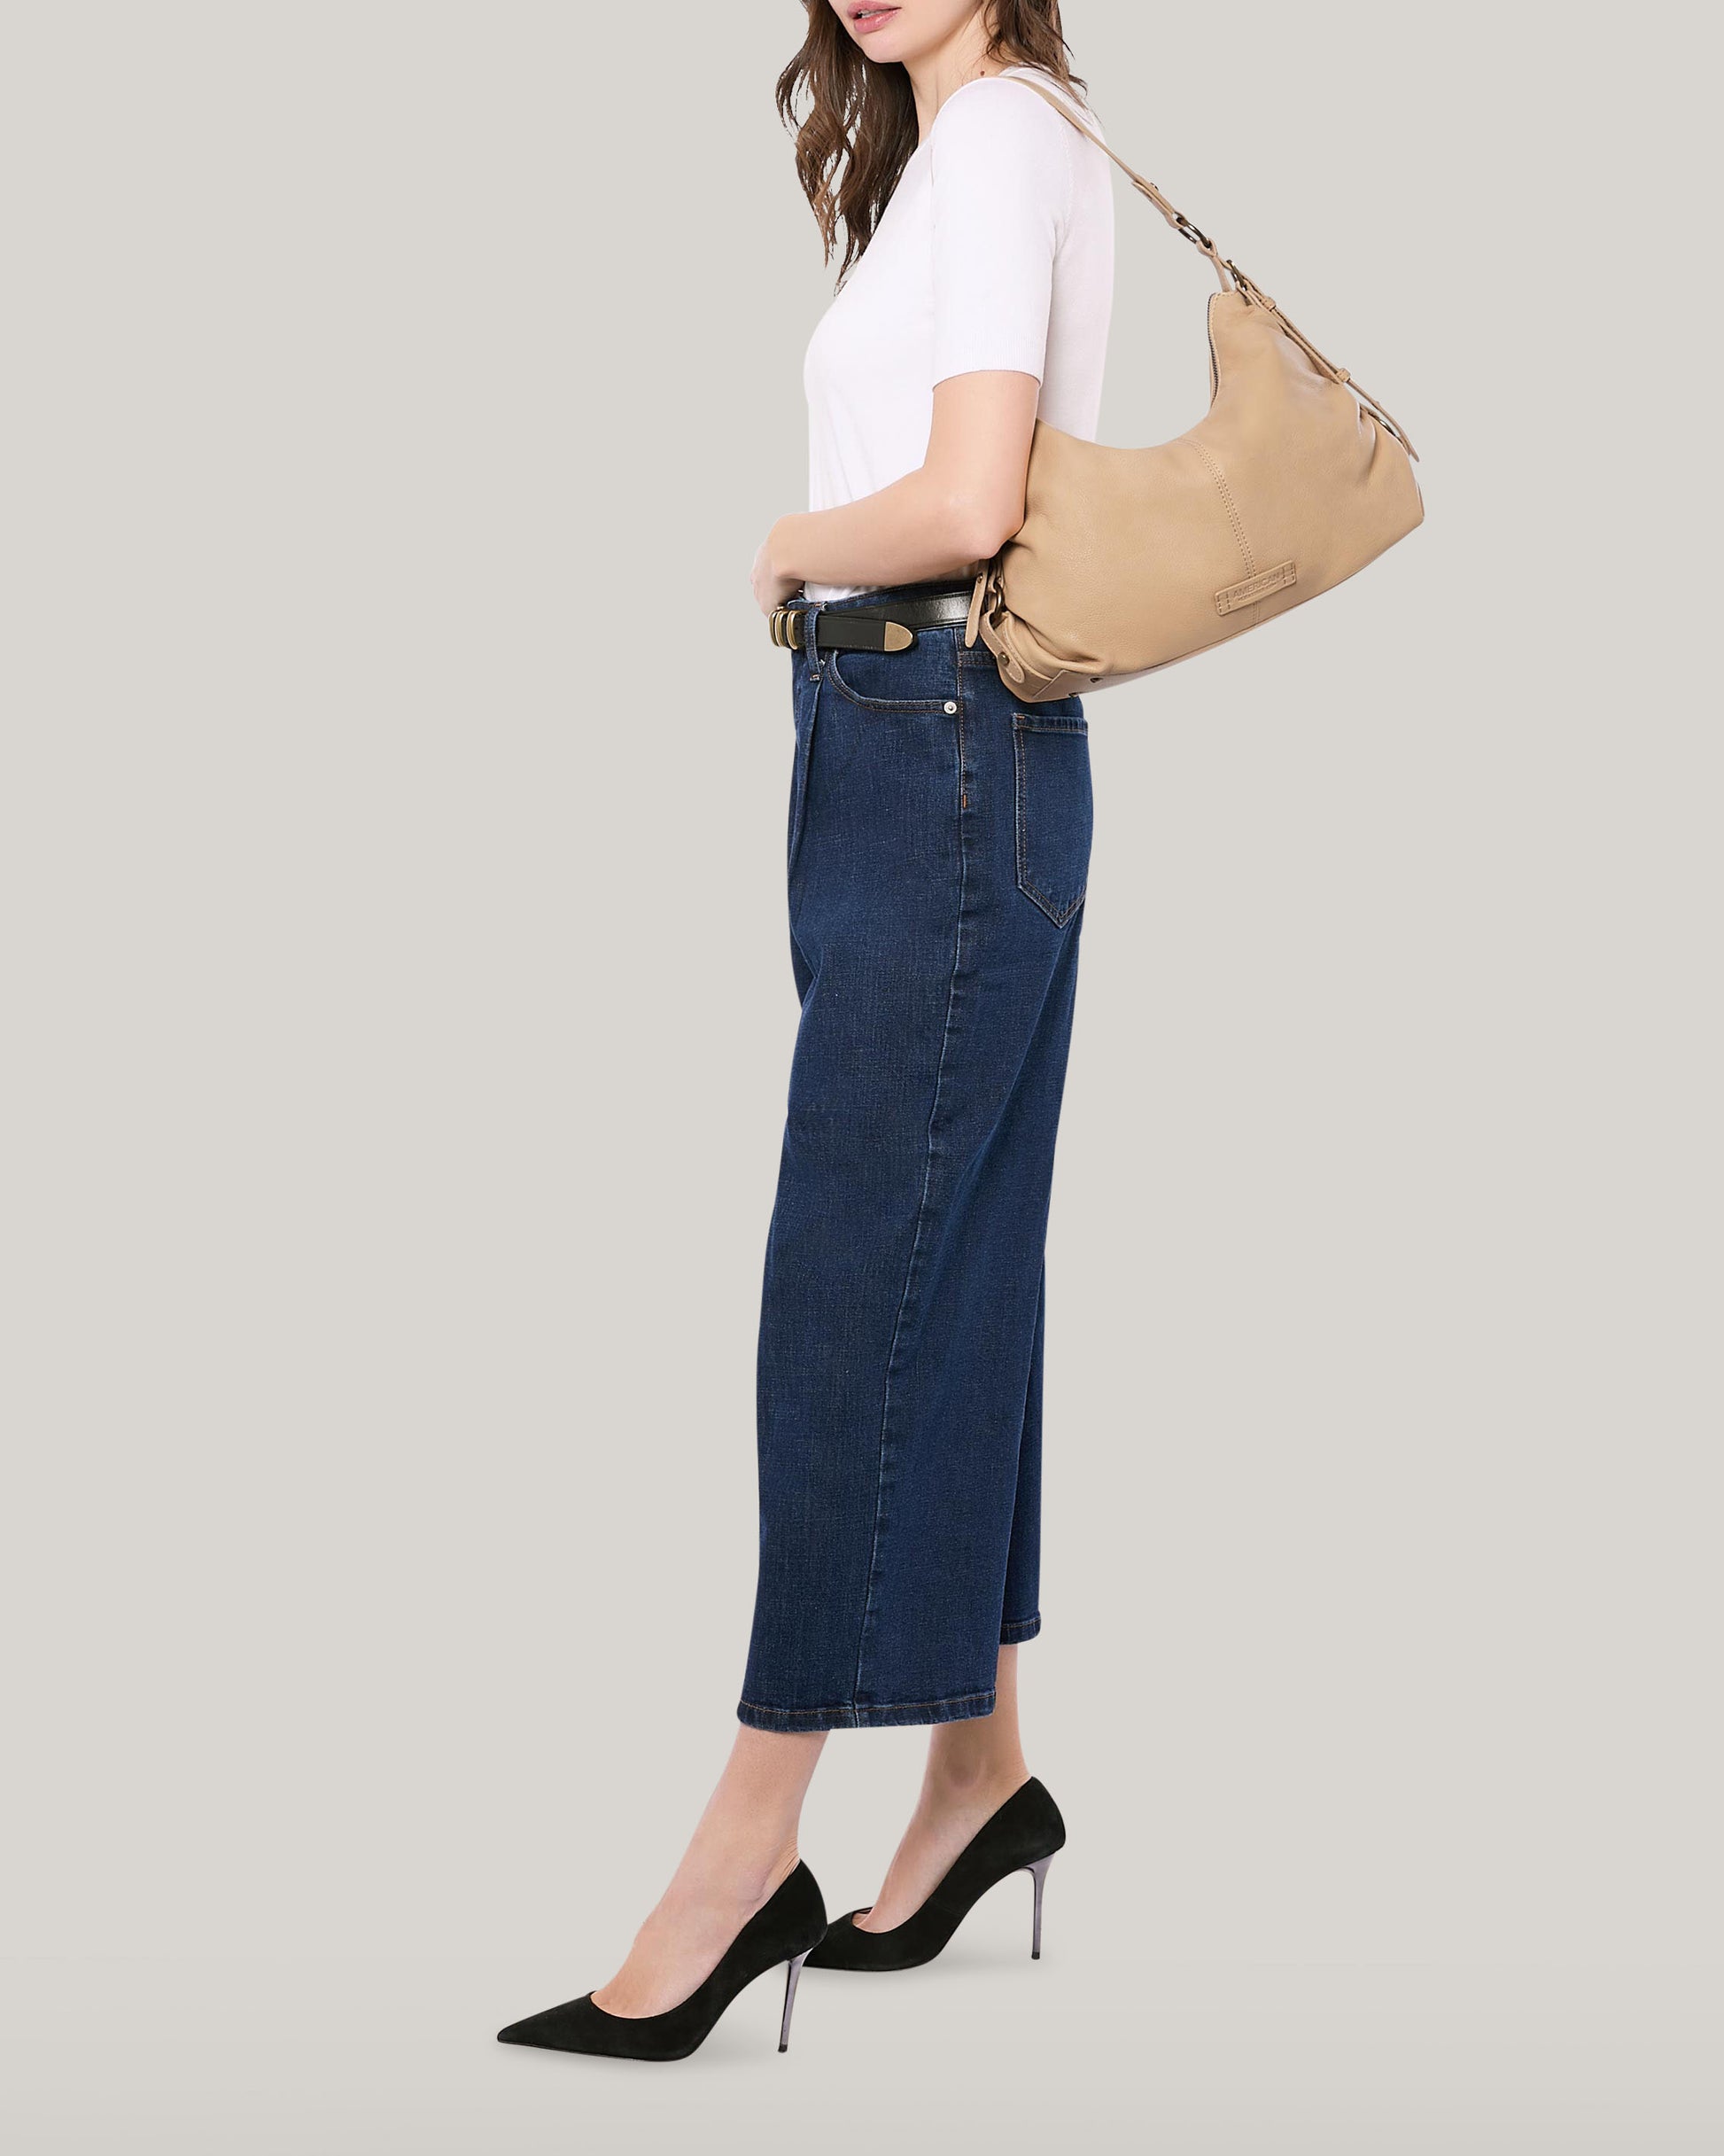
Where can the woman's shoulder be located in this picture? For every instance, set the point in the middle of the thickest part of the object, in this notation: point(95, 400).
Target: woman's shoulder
point(1010, 105)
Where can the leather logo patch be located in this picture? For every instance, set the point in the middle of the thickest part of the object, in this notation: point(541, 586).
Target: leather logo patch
point(1257, 587)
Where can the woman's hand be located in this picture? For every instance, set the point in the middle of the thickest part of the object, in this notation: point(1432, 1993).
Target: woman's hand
point(772, 587)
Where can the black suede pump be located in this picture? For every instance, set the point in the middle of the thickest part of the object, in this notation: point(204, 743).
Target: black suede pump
point(786, 1930)
point(1022, 1836)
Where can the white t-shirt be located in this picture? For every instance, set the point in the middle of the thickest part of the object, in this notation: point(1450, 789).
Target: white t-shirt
point(995, 251)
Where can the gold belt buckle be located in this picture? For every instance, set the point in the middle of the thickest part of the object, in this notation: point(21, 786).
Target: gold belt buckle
point(784, 627)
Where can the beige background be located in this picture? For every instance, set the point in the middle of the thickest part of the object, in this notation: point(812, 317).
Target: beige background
point(397, 1009)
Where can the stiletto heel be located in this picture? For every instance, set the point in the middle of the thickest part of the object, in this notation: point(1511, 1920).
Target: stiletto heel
point(788, 1928)
point(1022, 1836)
point(1038, 1872)
point(793, 1970)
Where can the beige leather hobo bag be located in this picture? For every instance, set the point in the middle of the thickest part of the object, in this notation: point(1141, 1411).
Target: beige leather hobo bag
point(1128, 559)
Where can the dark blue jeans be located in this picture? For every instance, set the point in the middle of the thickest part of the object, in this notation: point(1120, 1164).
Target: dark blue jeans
point(938, 850)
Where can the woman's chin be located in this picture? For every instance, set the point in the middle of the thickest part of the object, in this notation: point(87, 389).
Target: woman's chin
point(887, 41)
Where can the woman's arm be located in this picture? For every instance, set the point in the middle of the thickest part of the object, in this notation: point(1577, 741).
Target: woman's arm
point(960, 507)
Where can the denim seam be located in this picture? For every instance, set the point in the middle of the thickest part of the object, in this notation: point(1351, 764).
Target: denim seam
point(1020, 725)
point(872, 1707)
point(957, 1707)
point(805, 752)
point(921, 1208)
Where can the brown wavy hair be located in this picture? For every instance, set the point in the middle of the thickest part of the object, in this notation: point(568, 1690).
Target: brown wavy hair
point(861, 127)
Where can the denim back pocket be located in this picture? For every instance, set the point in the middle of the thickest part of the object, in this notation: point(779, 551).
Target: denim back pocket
point(1055, 810)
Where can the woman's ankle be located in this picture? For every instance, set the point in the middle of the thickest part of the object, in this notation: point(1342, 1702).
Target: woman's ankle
point(971, 1774)
point(742, 1870)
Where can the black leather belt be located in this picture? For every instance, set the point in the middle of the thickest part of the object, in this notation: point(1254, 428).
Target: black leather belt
point(889, 626)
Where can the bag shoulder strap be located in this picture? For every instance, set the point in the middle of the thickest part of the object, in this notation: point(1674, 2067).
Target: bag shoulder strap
point(1231, 278)
point(1147, 188)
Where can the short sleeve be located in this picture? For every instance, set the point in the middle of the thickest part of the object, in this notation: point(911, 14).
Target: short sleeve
point(1000, 173)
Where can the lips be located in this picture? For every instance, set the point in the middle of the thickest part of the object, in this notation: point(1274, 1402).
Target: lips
point(866, 18)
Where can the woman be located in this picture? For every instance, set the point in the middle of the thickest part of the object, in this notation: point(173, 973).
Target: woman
point(938, 849)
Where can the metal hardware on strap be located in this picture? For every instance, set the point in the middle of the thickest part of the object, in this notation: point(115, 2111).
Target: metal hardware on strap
point(1248, 287)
